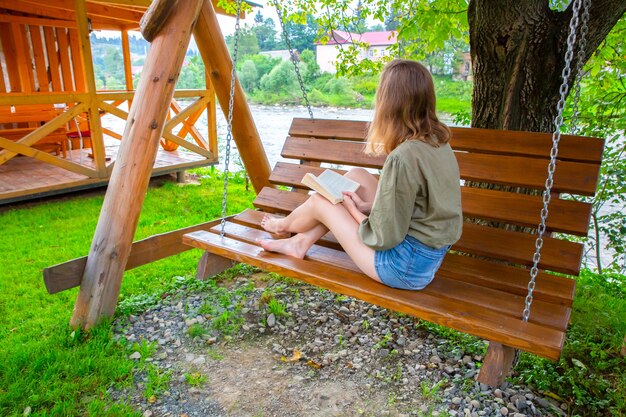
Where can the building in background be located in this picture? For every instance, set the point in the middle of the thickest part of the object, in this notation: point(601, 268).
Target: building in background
point(377, 47)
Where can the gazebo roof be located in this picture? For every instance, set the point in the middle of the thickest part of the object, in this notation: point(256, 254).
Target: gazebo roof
point(103, 14)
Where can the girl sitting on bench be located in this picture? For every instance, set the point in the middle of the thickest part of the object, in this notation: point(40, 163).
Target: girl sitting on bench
point(396, 229)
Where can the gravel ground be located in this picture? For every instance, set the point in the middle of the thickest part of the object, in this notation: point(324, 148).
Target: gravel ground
point(256, 346)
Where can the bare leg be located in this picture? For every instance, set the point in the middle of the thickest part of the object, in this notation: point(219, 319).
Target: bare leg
point(277, 225)
point(334, 217)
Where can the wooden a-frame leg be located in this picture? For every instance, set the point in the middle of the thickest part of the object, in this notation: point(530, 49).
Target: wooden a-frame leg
point(497, 364)
point(211, 264)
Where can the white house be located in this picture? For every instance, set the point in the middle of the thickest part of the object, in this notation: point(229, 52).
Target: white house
point(377, 46)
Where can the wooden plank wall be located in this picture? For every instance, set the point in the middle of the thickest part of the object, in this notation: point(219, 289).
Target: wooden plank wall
point(40, 59)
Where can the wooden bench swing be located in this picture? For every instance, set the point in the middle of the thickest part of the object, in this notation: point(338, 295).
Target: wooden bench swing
point(483, 283)
point(482, 286)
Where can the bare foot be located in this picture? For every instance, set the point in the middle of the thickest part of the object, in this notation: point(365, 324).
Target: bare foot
point(294, 246)
point(273, 225)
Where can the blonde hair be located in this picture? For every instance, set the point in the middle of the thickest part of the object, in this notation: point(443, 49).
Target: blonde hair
point(405, 109)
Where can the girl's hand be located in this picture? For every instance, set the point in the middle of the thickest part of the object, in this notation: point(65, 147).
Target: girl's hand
point(352, 208)
point(363, 206)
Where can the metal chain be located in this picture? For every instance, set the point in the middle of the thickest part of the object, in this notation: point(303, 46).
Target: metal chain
point(556, 137)
point(229, 131)
point(293, 57)
point(582, 44)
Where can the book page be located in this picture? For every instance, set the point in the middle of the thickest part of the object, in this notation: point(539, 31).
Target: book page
point(335, 183)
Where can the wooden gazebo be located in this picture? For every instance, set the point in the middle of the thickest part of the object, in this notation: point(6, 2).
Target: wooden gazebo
point(52, 135)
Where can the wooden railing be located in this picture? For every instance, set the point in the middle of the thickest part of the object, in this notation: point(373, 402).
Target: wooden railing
point(180, 124)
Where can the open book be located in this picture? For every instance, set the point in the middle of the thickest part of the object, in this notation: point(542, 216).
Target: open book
point(330, 185)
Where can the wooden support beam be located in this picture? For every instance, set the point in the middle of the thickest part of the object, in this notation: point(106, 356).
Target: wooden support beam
point(211, 265)
point(188, 145)
point(67, 275)
point(211, 117)
point(128, 72)
point(182, 114)
point(497, 364)
point(154, 18)
point(217, 61)
point(18, 148)
point(95, 123)
point(17, 99)
point(112, 240)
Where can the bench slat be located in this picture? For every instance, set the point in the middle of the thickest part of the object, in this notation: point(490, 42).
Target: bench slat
point(550, 287)
point(516, 247)
point(546, 314)
point(570, 177)
point(484, 323)
point(566, 216)
point(502, 142)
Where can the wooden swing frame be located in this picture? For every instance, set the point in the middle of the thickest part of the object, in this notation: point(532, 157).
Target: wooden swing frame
point(481, 294)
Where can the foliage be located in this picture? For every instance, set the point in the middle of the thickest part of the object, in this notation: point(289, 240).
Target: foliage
point(424, 29)
point(247, 42)
point(591, 374)
point(265, 31)
point(192, 74)
point(603, 114)
point(281, 79)
point(249, 76)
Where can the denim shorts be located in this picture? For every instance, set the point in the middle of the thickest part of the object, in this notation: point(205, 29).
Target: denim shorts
point(410, 265)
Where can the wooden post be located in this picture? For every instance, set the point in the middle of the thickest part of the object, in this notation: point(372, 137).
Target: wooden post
point(497, 364)
point(211, 116)
point(128, 72)
point(215, 55)
point(129, 180)
point(211, 264)
point(95, 125)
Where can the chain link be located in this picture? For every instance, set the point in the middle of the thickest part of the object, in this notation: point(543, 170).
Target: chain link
point(556, 137)
point(580, 61)
point(293, 57)
point(229, 131)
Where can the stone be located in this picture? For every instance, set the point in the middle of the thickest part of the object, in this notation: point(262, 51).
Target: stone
point(383, 353)
point(435, 359)
point(504, 411)
point(497, 392)
point(475, 404)
point(135, 356)
point(457, 400)
point(147, 413)
point(271, 320)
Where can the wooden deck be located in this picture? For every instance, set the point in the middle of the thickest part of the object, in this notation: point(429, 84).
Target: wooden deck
point(24, 178)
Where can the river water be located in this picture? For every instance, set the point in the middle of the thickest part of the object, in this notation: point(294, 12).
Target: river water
point(273, 122)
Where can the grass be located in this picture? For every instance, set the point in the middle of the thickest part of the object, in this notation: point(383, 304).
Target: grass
point(59, 372)
point(47, 367)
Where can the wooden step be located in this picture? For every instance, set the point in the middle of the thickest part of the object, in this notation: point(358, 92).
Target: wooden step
point(463, 316)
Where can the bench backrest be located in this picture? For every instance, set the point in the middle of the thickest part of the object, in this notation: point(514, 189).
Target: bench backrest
point(517, 160)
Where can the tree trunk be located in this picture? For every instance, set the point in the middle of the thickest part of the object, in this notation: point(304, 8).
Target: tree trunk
point(518, 53)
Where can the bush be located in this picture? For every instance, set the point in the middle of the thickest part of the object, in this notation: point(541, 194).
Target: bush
point(249, 76)
point(281, 79)
point(337, 86)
